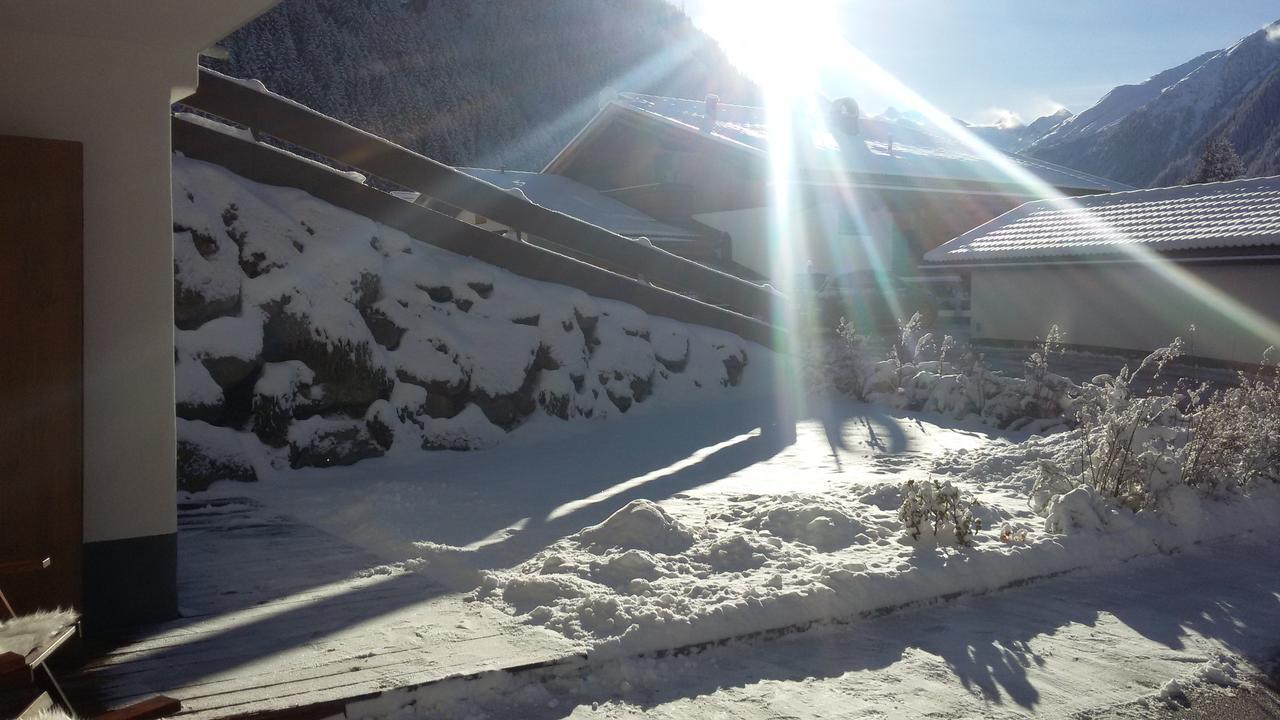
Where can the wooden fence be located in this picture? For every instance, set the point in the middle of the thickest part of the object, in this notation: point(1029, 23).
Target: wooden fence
point(267, 113)
point(265, 164)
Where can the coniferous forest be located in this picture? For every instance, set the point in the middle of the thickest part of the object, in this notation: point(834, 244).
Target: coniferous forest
point(478, 82)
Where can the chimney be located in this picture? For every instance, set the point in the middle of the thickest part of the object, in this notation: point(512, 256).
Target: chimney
point(845, 116)
point(710, 112)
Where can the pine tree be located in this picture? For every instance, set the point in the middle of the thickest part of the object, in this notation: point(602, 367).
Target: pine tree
point(1218, 162)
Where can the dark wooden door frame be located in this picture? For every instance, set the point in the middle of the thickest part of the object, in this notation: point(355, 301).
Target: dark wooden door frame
point(41, 367)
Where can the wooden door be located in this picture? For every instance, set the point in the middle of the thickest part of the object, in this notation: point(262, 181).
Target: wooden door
point(41, 378)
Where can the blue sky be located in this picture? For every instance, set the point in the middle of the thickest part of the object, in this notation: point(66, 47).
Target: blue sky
point(977, 58)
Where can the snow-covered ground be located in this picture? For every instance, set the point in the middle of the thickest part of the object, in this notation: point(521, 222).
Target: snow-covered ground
point(670, 528)
point(1140, 639)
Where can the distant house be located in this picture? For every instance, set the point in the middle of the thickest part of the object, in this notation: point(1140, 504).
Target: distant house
point(1132, 270)
point(866, 191)
point(573, 198)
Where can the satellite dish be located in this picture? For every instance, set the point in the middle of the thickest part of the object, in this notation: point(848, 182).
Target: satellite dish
point(845, 116)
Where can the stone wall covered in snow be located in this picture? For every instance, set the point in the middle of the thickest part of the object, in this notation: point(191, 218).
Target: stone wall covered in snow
point(313, 336)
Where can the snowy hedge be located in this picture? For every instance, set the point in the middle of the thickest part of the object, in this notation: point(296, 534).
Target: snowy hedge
point(331, 338)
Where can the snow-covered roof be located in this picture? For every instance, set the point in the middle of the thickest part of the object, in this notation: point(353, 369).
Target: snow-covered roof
point(919, 150)
point(1226, 215)
point(573, 198)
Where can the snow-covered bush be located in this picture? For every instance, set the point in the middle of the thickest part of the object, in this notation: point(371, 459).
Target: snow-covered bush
point(1042, 385)
point(937, 509)
point(839, 363)
point(921, 371)
point(1234, 434)
point(1142, 450)
point(1127, 440)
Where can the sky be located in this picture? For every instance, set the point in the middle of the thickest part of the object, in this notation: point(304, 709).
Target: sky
point(980, 59)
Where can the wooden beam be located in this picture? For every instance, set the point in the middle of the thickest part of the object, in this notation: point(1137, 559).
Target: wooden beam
point(13, 567)
point(296, 124)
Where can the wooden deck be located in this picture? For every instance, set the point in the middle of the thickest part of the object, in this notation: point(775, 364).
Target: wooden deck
point(280, 616)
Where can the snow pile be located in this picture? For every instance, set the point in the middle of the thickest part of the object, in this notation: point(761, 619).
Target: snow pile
point(1221, 671)
point(641, 525)
point(332, 338)
point(703, 568)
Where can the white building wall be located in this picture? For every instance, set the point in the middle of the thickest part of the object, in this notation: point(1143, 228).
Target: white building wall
point(104, 74)
point(1234, 306)
point(128, 260)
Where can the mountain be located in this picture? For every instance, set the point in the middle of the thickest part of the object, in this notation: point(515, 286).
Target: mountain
point(1152, 133)
point(1012, 135)
point(486, 83)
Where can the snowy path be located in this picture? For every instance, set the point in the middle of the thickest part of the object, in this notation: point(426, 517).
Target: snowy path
point(1055, 649)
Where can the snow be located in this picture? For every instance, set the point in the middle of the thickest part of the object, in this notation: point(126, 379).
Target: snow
point(208, 122)
point(233, 337)
point(219, 444)
point(193, 383)
point(283, 379)
point(629, 547)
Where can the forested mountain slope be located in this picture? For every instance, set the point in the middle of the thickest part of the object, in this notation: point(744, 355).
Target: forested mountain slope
point(478, 82)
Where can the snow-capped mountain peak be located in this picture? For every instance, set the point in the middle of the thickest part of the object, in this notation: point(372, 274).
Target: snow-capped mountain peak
point(1151, 133)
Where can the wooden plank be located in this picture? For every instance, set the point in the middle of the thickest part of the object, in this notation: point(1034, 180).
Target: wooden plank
point(41, 377)
point(269, 113)
point(276, 657)
point(270, 166)
point(155, 707)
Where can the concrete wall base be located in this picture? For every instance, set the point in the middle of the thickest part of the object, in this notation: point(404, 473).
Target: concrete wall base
point(130, 582)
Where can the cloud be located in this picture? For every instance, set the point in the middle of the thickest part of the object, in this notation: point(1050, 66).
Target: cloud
point(1273, 32)
point(1048, 106)
point(1000, 117)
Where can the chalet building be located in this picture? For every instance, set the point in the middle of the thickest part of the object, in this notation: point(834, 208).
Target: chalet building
point(87, 439)
point(1131, 270)
point(867, 192)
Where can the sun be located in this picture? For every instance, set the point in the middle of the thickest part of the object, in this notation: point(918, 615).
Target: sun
point(782, 46)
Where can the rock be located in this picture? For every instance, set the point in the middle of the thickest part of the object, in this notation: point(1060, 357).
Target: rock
point(368, 294)
point(284, 392)
point(324, 442)
point(734, 364)
point(229, 371)
point(198, 397)
point(207, 454)
point(350, 372)
point(206, 279)
point(230, 348)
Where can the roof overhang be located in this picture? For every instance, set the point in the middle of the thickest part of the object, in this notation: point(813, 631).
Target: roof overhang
point(190, 24)
point(169, 33)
